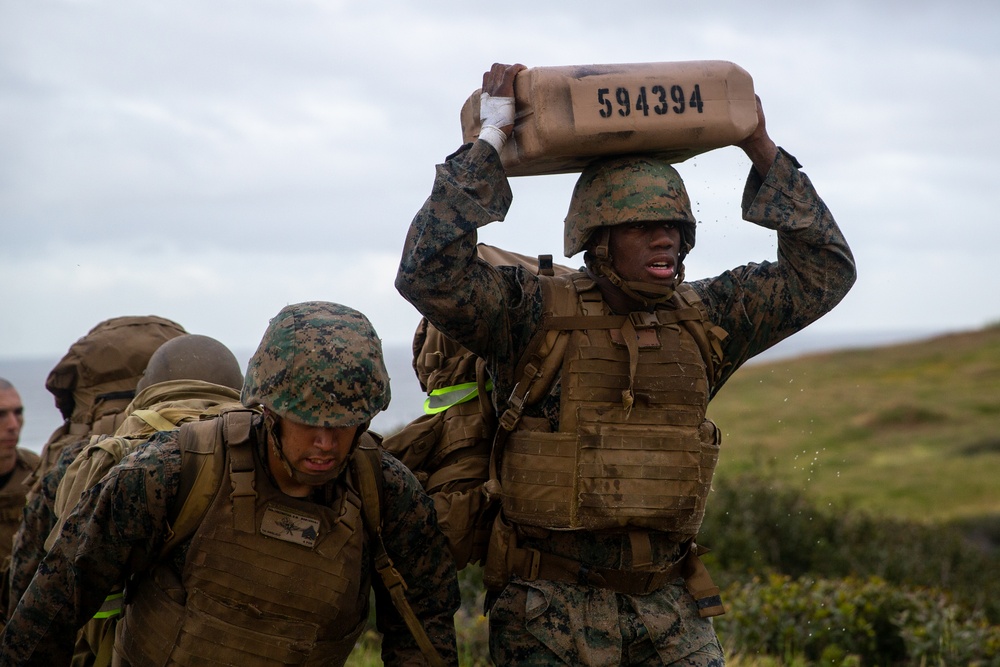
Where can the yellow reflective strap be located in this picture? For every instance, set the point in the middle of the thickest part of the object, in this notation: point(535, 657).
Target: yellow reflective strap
point(441, 399)
point(155, 419)
point(112, 606)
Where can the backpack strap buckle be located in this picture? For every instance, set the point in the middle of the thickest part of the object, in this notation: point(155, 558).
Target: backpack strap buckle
point(643, 320)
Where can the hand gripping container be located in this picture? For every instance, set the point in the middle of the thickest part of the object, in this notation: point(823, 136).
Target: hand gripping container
point(566, 116)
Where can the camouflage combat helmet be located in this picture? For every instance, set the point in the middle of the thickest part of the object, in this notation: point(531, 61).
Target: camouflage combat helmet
point(319, 364)
point(617, 190)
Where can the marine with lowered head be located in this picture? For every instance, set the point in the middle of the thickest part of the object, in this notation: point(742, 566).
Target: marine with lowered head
point(279, 567)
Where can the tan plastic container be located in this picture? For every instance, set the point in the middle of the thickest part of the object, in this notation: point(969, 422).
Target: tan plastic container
point(567, 116)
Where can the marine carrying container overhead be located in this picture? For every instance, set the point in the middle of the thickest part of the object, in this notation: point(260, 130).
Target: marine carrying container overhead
point(566, 116)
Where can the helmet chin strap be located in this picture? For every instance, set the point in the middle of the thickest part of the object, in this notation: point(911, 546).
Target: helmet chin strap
point(309, 479)
point(648, 295)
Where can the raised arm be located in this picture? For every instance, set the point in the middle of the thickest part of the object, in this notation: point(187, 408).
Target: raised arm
point(440, 272)
point(760, 304)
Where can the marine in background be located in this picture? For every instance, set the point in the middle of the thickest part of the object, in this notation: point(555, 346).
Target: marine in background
point(16, 466)
point(279, 567)
point(92, 385)
point(188, 378)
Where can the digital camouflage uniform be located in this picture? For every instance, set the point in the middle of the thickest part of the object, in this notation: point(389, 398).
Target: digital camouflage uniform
point(37, 521)
point(12, 496)
point(13, 491)
point(496, 311)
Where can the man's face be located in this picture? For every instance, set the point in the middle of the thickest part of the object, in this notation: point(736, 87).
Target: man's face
point(647, 252)
point(11, 421)
point(311, 450)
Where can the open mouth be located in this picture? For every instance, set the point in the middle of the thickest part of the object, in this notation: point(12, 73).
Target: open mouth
point(661, 270)
point(319, 465)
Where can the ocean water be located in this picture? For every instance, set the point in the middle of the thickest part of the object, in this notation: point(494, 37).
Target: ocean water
point(41, 416)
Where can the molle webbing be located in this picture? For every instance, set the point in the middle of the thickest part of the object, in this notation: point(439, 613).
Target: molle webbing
point(633, 448)
point(531, 564)
point(287, 592)
point(108, 423)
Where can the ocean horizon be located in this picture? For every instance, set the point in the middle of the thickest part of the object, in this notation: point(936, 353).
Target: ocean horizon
point(42, 418)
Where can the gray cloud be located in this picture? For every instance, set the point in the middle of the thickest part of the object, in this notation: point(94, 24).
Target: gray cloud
point(211, 162)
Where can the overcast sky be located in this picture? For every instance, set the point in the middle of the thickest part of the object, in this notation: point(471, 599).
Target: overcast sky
point(211, 161)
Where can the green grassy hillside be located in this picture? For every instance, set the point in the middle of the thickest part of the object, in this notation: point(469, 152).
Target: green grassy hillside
point(911, 431)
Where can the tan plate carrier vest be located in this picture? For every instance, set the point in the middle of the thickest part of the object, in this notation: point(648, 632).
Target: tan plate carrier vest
point(634, 450)
point(268, 579)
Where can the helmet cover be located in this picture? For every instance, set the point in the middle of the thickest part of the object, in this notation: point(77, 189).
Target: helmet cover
point(319, 364)
point(623, 189)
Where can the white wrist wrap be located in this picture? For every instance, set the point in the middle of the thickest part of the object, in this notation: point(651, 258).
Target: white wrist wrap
point(494, 136)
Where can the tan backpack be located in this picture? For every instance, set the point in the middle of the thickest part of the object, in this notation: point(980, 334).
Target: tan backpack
point(95, 381)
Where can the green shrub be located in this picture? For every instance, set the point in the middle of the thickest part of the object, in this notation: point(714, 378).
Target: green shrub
point(854, 621)
point(754, 526)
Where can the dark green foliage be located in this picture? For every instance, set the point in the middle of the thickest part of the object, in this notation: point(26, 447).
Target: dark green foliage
point(755, 526)
point(840, 583)
point(854, 621)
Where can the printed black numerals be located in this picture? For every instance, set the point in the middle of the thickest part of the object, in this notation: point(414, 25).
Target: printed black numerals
point(663, 100)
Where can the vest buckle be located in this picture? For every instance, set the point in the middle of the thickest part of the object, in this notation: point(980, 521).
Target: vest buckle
point(643, 320)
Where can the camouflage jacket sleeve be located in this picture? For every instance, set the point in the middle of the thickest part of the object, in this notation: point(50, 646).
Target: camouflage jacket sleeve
point(37, 521)
point(491, 311)
point(113, 531)
point(761, 304)
point(420, 553)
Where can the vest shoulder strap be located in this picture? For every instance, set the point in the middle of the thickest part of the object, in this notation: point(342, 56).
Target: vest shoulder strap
point(366, 471)
point(542, 358)
point(202, 468)
point(708, 336)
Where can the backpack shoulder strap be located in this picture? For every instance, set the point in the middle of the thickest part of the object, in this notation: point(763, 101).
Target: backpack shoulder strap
point(203, 454)
point(88, 464)
point(542, 359)
point(707, 335)
point(366, 471)
point(154, 419)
